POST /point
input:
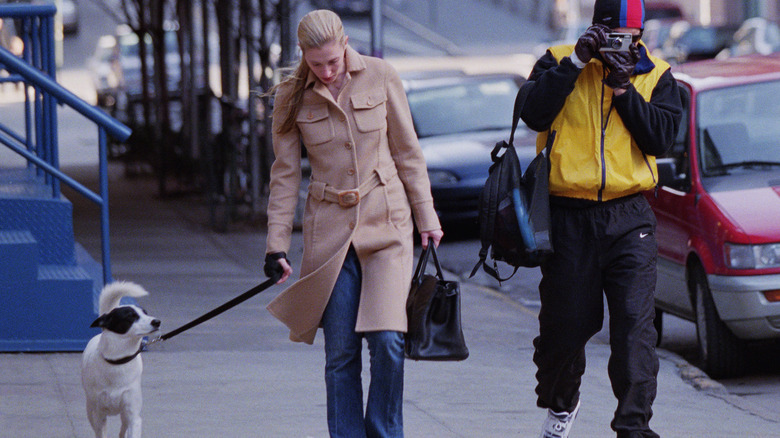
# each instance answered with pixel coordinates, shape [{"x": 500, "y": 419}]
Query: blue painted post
[
  {"x": 104, "y": 204},
  {"x": 49, "y": 65},
  {"x": 28, "y": 104}
]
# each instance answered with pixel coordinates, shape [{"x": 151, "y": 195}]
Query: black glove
[
  {"x": 621, "y": 65},
  {"x": 590, "y": 42},
  {"x": 272, "y": 268}
]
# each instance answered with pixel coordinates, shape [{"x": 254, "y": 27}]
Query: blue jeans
[{"x": 343, "y": 363}]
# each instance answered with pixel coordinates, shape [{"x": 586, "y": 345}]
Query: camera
[{"x": 617, "y": 42}]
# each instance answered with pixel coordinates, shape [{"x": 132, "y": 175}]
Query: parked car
[
  {"x": 717, "y": 206},
  {"x": 115, "y": 67},
  {"x": 659, "y": 32},
  {"x": 69, "y": 10},
  {"x": 459, "y": 118},
  {"x": 698, "y": 42},
  {"x": 755, "y": 35},
  {"x": 660, "y": 10},
  {"x": 104, "y": 70}
]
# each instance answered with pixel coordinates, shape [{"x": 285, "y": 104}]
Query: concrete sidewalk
[{"x": 237, "y": 375}]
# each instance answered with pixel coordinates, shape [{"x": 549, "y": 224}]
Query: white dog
[{"x": 111, "y": 365}]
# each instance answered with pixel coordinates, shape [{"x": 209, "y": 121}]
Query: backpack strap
[
  {"x": 493, "y": 272},
  {"x": 488, "y": 198},
  {"x": 522, "y": 94},
  {"x": 487, "y": 227}
]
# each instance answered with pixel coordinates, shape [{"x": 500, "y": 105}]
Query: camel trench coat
[{"x": 367, "y": 134}]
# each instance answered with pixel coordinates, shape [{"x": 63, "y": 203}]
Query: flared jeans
[{"x": 383, "y": 416}]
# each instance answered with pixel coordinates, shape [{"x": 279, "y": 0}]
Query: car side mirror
[{"x": 667, "y": 174}]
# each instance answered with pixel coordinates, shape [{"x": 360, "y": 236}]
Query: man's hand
[
  {"x": 621, "y": 65},
  {"x": 590, "y": 42}
]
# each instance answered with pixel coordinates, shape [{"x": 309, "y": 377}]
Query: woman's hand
[
  {"x": 277, "y": 264},
  {"x": 287, "y": 270},
  {"x": 434, "y": 235}
]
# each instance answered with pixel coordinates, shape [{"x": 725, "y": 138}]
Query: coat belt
[{"x": 351, "y": 197}]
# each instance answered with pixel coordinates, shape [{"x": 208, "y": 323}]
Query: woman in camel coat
[{"x": 368, "y": 182}]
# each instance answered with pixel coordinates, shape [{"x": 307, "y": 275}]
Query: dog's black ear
[
  {"x": 100, "y": 322},
  {"x": 118, "y": 320}
]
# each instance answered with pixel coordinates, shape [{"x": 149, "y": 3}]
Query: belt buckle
[{"x": 349, "y": 198}]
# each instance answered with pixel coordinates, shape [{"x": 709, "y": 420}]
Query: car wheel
[
  {"x": 721, "y": 353},
  {"x": 658, "y": 322}
]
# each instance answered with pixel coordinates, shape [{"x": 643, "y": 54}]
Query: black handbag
[{"x": 433, "y": 310}]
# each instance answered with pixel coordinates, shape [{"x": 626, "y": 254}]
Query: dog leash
[{"x": 230, "y": 304}]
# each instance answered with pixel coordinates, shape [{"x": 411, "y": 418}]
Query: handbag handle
[{"x": 423, "y": 262}]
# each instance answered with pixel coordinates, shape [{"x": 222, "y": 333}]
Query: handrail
[
  {"x": 36, "y": 70},
  {"x": 117, "y": 129},
  {"x": 23, "y": 10},
  {"x": 75, "y": 185}
]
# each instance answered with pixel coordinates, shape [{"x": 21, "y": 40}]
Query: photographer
[{"x": 609, "y": 109}]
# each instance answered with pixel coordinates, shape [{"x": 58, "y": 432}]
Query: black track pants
[{"x": 602, "y": 250}]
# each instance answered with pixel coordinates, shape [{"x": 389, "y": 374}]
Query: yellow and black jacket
[{"x": 604, "y": 145}]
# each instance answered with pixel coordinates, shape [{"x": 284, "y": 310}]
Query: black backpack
[{"x": 514, "y": 208}]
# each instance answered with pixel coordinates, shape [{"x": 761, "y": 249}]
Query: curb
[
  {"x": 688, "y": 372},
  {"x": 693, "y": 375}
]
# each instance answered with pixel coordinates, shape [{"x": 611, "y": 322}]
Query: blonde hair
[{"x": 317, "y": 28}]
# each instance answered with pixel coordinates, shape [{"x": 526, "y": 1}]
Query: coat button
[
  {"x": 310, "y": 115},
  {"x": 351, "y": 225},
  {"x": 350, "y": 171},
  {"x": 342, "y": 119},
  {"x": 348, "y": 145}
]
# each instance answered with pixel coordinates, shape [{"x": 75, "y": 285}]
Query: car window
[
  {"x": 700, "y": 38},
  {"x": 737, "y": 125},
  {"x": 128, "y": 43},
  {"x": 678, "y": 153},
  {"x": 662, "y": 12},
  {"x": 468, "y": 106}
]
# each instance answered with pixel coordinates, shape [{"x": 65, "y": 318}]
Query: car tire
[{"x": 722, "y": 355}]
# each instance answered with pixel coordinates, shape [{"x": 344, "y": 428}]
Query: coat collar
[
  {"x": 354, "y": 62},
  {"x": 645, "y": 64}
]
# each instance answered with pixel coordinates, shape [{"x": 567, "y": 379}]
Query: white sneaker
[{"x": 558, "y": 424}]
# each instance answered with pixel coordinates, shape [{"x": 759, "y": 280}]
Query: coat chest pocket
[
  {"x": 370, "y": 110},
  {"x": 315, "y": 125}
]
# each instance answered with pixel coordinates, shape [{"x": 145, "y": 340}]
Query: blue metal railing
[{"x": 36, "y": 70}]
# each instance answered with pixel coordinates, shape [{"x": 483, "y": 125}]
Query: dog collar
[{"x": 123, "y": 360}]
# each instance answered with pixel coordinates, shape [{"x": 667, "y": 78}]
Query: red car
[{"x": 718, "y": 209}]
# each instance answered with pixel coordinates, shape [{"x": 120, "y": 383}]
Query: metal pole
[
  {"x": 376, "y": 28},
  {"x": 286, "y": 33},
  {"x": 104, "y": 229}
]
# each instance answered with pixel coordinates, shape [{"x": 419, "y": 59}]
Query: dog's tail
[{"x": 112, "y": 293}]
